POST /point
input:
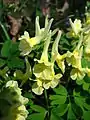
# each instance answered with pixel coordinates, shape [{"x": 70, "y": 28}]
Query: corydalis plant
[{"x": 44, "y": 68}]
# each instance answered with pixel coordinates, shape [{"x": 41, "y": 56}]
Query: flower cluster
[
  {"x": 14, "y": 102},
  {"x": 44, "y": 68}
]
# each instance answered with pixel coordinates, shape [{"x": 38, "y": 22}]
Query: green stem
[
  {"x": 5, "y": 32},
  {"x": 46, "y": 98},
  {"x": 1, "y": 4},
  {"x": 80, "y": 42}
]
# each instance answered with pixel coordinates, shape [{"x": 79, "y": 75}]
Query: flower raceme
[
  {"x": 44, "y": 72},
  {"x": 43, "y": 69}
]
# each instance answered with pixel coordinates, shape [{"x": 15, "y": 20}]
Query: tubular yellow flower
[
  {"x": 77, "y": 73},
  {"x": 87, "y": 46},
  {"x": 55, "y": 54},
  {"x": 87, "y": 70},
  {"x": 37, "y": 87},
  {"x": 45, "y": 78},
  {"x": 44, "y": 56},
  {"x": 74, "y": 59},
  {"x": 76, "y": 26},
  {"x": 60, "y": 61},
  {"x": 26, "y": 43},
  {"x": 87, "y": 18}
]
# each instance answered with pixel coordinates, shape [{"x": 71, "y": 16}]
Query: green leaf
[
  {"x": 9, "y": 49},
  {"x": 60, "y": 110},
  {"x": 3, "y": 73},
  {"x": 71, "y": 115},
  {"x": 2, "y": 62},
  {"x": 38, "y": 108},
  {"x": 36, "y": 116},
  {"x": 60, "y": 97},
  {"x": 15, "y": 62},
  {"x": 86, "y": 115},
  {"x": 5, "y": 51},
  {"x": 79, "y": 100},
  {"x": 87, "y": 79},
  {"x": 41, "y": 113},
  {"x": 77, "y": 110},
  {"x": 14, "y": 48},
  {"x": 79, "y": 82},
  {"x": 54, "y": 116},
  {"x": 86, "y": 86},
  {"x": 57, "y": 99},
  {"x": 61, "y": 90},
  {"x": 85, "y": 63}
]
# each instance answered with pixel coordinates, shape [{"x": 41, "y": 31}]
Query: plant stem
[
  {"x": 46, "y": 98},
  {"x": 5, "y": 32}
]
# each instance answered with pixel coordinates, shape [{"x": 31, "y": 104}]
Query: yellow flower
[
  {"x": 52, "y": 83},
  {"x": 77, "y": 73},
  {"x": 76, "y": 28},
  {"x": 87, "y": 46},
  {"x": 27, "y": 43},
  {"x": 45, "y": 78},
  {"x": 87, "y": 18},
  {"x": 60, "y": 61},
  {"x": 44, "y": 56},
  {"x": 42, "y": 31},
  {"x": 44, "y": 71},
  {"x": 70, "y": 34},
  {"x": 55, "y": 54},
  {"x": 87, "y": 70},
  {"x": 37, "y": 87},
  {"x": 74, "y": 59}
]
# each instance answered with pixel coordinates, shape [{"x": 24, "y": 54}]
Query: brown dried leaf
[{"x": 15, "y": 25}]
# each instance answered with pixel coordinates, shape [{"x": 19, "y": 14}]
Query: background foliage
[{"x": 70, "y": 100}]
